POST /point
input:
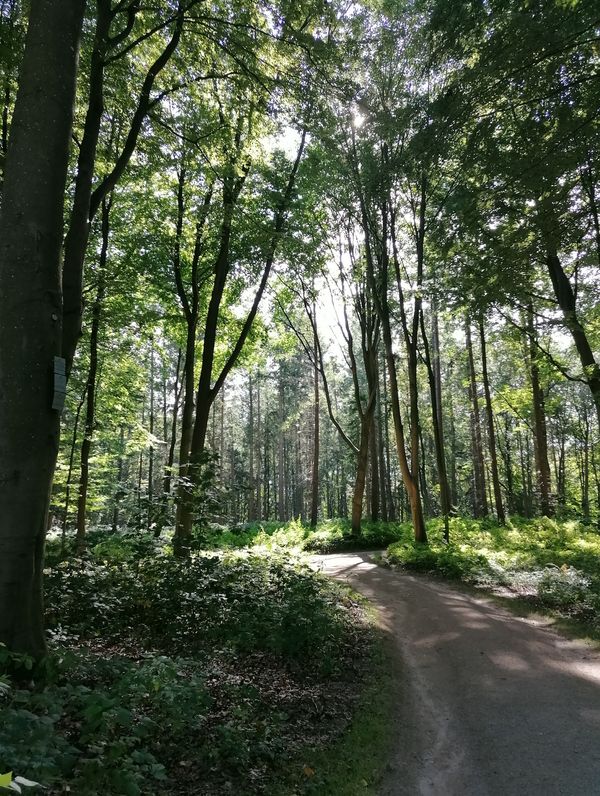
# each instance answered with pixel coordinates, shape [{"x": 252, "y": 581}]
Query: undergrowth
[
  {"x": 553, "y": 565},
  {"x": 205, "y": 676}
]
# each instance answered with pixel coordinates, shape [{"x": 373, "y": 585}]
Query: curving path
[{"x": 489, "y": 704}]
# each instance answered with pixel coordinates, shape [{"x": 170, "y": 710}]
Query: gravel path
[{"x": 489, "y": 704}]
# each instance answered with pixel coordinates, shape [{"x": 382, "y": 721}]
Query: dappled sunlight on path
[{"x": 489, "y": 704}]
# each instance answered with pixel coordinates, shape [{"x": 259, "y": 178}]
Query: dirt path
[{"x": 489, "y": 704}]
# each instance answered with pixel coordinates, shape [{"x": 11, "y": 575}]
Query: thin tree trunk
[
  {"x": 540, "y": 436},
  {"x": 151, "y": 449},
  {"x": 480, "y": 506},
  {"x": 491, "y": 428},
  {"x": 65, "y": 522},
  {"x": 92, "y": 383},
  {"x": 252, "y": 485},
  {"x": 173, "y": 440},
  {"x": 119, "y": 490},
  {"x": 314, "y": 499},
  {"x": 280, "y": 452}
]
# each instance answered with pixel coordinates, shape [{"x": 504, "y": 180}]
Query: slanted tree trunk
[
  {"x": 568, "y": 305},
  {"x": 207, "y": 391},
  {"x": 31, "y": 226},
  {"x": 87, "y": 198}
]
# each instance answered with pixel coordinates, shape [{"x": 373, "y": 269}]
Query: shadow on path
[{"x": 488, "y": 704}]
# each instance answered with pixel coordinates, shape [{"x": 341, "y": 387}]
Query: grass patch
[
  {"x": 549, "y": 565},
  {"x": 328, "y": 537}
]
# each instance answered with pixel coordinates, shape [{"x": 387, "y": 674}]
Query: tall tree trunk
[
  {"x": 480, "y": 505},
  {"x": 87, "y": 199},
  {"x": 379, "y": 288},
  {"x": 314, "y": 491},
  {"x": 386, "y": 430},
  {"x": 374, "y": 466},
  {"x": 540, "y": 436},
  {"x": 280, "y": 451},
  {"x": 432, "y": 362},
  {"x": 362, "y": 460},
  {"x": 31, "y": 225},
  {"x": 92, "y": 383},
  {"x": 491, "y": 428},
  {"x": 207, "y": 391},
  {"x": 251, "y": 489},
  {"x": 151, "y": 447},
  {"x": 259, "y": 467},
  {"x": 383, "y": 475}
]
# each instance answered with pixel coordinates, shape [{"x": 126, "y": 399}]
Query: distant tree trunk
[
  {"x": 596, "y": 471},
  {"x": 374, "y": 465},
  {"x": 480, "y": 506},
  {"x": 491, "y": 428},
  {"x": 63, "y": 540},
  {"x": 452, "y": 459},
  {"x": 362, "y": 460},
  {"x": 386, "y": 431},
  {"x": 584, "y": 424},
  {"x": 258, "y": 502},
  {"x": 507, "y": 456},
  {"x": 90, "y": 415},
  {"x": 31, "y": 227},
  {"x": 251, "y": 504},
  {"x": 432, "y": 362},
  {"x": 168, "y": 475},
  {"x": 118, "y": 493},
  {"x": 540, "y": 437},
  {"x": 280, "y": 451},
  {"x": 151, "y": 447},
  {"x": 383, "y": 475},
  {"x": 314, "y": 491}
]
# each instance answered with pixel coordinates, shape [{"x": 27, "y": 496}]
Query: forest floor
[{"x": 487, "y": 703}]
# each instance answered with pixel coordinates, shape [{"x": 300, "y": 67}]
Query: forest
[{"x": 281, "y": 281}]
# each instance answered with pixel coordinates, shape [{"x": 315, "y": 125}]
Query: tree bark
[{"x": 31, "y": 225}]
